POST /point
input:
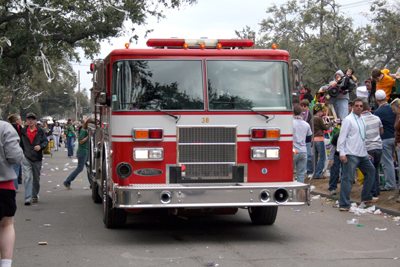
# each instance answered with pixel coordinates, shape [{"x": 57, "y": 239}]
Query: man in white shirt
[
  {"x": 353, "y": 153},
  {"x": 301, "y": 132}
]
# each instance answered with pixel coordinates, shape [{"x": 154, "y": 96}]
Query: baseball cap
[
  {"x": 31, "y": 115},
  {"x": 380, "y": 95}
]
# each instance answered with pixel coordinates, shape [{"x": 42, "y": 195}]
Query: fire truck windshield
[
  {"x": 158, "y": 84},
  {"x": 245, "y": 85}
]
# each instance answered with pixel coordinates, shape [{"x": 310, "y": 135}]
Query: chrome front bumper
[{"x": 210, "y": 195}]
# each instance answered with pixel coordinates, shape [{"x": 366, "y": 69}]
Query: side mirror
[
  {"x": 297, "y": 76},
  {"x": 102, "y": 98}
]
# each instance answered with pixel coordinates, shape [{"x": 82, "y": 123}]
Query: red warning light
[
  {"x": 236, "y": 42},
  {"x": 165, "y": 42}
]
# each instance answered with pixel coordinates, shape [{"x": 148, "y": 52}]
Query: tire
[
  {"x": 95, "y": 187},
  {"x": 113, "y": 217},
  {"x": 263, "y": 215},
  {"x": 95, "y": 193}
]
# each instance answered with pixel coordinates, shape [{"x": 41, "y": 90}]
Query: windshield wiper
[
  {"x": 265, "y": 116},
  {"x": 177, "y": 118}
]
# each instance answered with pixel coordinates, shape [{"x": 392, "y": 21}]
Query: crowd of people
[
  {"x": 365, "y": 135},
  {"x": 21, "y": 153}
]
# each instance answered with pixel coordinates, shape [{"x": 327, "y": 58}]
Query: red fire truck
[{"x": 193, "y": 125}]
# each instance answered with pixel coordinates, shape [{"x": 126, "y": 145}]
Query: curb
[{"x": 384, "y": 210}]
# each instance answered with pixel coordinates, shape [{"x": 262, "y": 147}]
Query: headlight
[
  {"x": 265, "y": 153},
  {"x": 148, "y": 154}
]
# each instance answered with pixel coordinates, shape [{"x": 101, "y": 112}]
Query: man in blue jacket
[
  {"x": 388, "y": 118},
  {"x": 33, "y": 141}
]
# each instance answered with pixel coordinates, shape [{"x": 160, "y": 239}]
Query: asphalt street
[{"x": 71, "y": 225}]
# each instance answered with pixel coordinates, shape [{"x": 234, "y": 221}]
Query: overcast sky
[{"x": 214, "y": 19}]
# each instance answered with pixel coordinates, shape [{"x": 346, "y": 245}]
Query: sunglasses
[{"x": 358, "y": 106}]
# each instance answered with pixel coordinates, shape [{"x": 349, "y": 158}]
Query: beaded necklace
[
  {"x": 304, "y": 115},
  {"x": 359, "y": 129},
  {"x": 383, "y": 104}
]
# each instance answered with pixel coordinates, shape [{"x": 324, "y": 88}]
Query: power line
[{"x": 356, "y": 4}]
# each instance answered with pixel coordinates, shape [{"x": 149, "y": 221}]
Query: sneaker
[
  {"x": 333, "y": 192},
  {"x": 67, "y": 186},
  {"x": 27, "y": 203},
  {"x": 373, "y": 200},
  {"x": 35, "y": 200},
  {"x": 398, "y": 200}
]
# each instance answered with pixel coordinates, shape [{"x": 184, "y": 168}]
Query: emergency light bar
[{"x": 200, "y": 43}]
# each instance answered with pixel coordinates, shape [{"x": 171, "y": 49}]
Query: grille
[
  {"x": 207, "y": 135},
  {"x": 203, "y": 171},
  {"x": 207, "y": 152}
]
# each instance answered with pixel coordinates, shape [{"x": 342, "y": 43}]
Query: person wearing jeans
[
  {"x": 388, "y": 118},
  {"x": 82, "y": 158},
  {"x": 81, "y": 153},
  {"x": 301, "y": 134},
  {"x": 33, "y": 141},
  {"x": 319, "y": 144},
  {"x": 396, "y": 109},
  {"x": 306, "y": 116},
  {"x": 349, "y": 168},
  {"x": 376, "y": 155},
  {"x": 16, "y": 122},
  {"x": 319, "y": 152},
  {"x": 335, "y": 164},
  {"x": 373, "y": 142},
  {"x": 310, "y": 167},
  {"x": 353, "y": 154},
  {"x": 70, "y": 137},
  {"x": 31, "y": 170},
  {"x": 341, "y": 106}
]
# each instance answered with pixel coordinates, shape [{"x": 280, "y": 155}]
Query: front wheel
[{"x": 263, "y": 215}]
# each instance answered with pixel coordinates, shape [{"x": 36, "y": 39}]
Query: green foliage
[
  {"x": 41, "y": 31},
  {"x": 383, "y": 37},
  {"x": 324, "y": 40}
]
